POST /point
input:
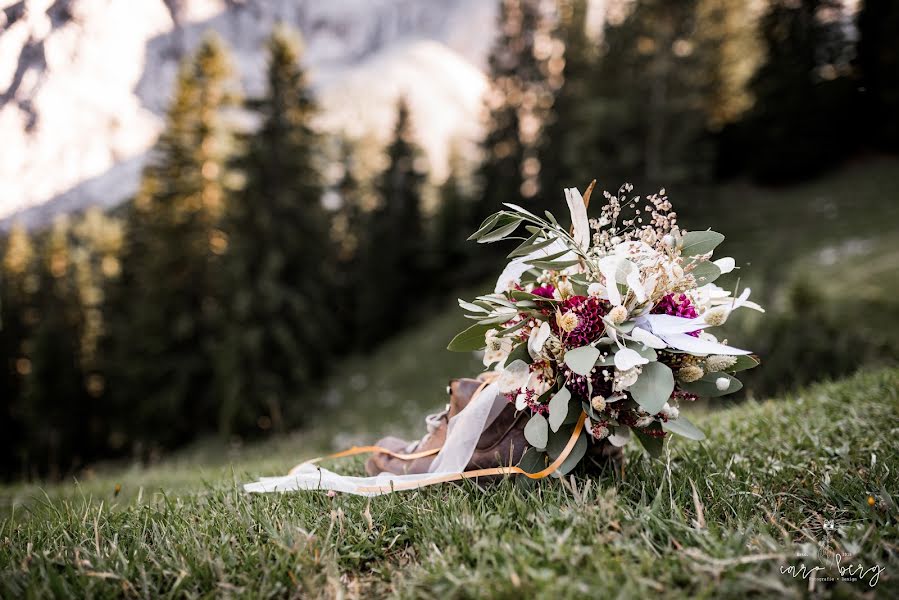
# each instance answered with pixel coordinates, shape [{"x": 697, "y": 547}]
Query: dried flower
[
  {"x": 598, "y": 403},
  {"x": 567, "y": 322},
  {"x": 690, "y": 373},
  {"x": 618, "y": 315},
  {"x": 719, "y": 362}
]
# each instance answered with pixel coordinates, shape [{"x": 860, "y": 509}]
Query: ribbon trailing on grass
[{"x": 463, "y": 432}]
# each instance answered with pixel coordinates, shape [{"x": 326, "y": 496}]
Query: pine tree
[
  {"x": 280, "y": 260},
  {"x": 802, "y": 121},
  {"x": 878, "y": 61},
  {"x": 451, "y": 250},
  {"x": 17, "y": 283},
  {"x": 653, "y": 88},
  {"x": 517, "y": 101},
  {"x": 568, "y": 156},
  {"x": 57, "y": 409},
  {"x": 169, "y": 324},
  {"x": 392, "y": 262}
]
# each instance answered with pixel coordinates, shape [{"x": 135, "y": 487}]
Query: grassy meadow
[{"x": 780, "y": 483}]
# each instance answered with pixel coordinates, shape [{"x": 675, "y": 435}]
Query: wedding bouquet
[
  {"x": 605, "y": 325},
  {"x": 596, "y": 332}
]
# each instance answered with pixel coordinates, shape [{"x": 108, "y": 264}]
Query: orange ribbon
[{"x": 395, "y": 487}]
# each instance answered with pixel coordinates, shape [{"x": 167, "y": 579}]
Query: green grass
[
  {"x": 770, "y": 481},
  {"x": 774, "y": 480}
]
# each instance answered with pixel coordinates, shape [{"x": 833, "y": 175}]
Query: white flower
[
  {"x": 671, "y": 412},
  {"x": 600, "y": 432},
  {"x": 514, "y": 377},
  {"x": 597, "y": 290},
  {"x": 719, "y": 362},
  {"x": 716, "y": 316},
  {"x": 722, "y": 383},
  {"x": 537, "y": 339},
  {"x": 497, "y": 349},
  {"x": 539, "y": 384},
  {"x": 598, "y": 403},
  {"x": 625, "y": 379},
  {"x": 565, "y": 289},
  {"x": 580, "y": 224},
  {"x": 725, "y": 265},
  {"x": 521, "y": 401},
  {"x": 567, "y": 322}
]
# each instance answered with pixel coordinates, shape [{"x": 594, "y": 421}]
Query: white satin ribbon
[{"x": 463, "y": 432}]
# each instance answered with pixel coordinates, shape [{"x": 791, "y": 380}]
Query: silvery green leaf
[
  {"x": 558, "y": 408},
  {"x": 521, "y": 210},
  {"x": 653, "y": 387},
  {"x": 520, "y": 352},
  {"x": 627, "y": 358},
  {"x": 551, "y": 218},
  {"x": 620, "y": 436},
  {"x": 532, "y": 244},
  {"x": 554, "y": 265},
  {"x": 469, "y": 340},
  {"x": 653, "y": 445},
  {"x": 682, "y": 426},
  {"x": 486, "y": 226},
  {"x": 707, "y": 386},
  {"x": 644, "y": 351},
  {"x": 705, "y": 272},
  {"x": 577, "y": 454},
  {"x": 581, "y": 360},
  {"x": 700, "y": 242},
  {"x": 496, "y": 319},
  {"x": 522, "y": 295},
  {"x": 471, "y": 307},
  {"x": 500, "y": 232},
  {"x": 743, "y": 363},
  {"x": 536, "y": 432}
]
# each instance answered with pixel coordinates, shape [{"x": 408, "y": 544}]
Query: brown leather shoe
[{"x": 504, "y": 438}]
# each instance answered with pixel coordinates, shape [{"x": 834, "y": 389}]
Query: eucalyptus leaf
[
  {"x": 577, "y": 454},
  {"x": 470, "y": 340},
  {"x": 581, "y": 360},
  {"x": 682, "y": 426},
  {"x": 536, "y": 432},
  {"x": 644, "y": 351},
  {"x": 707, "y": 386},
  {"x": 743, "y": 363},
  {"x": 705, "y": 272},
  {"x": 700, "y": 242},
  {"x": 532, "y": 461},
  {"x": 520, "y": 352},
  {"x": 558, "y": 408},
  {"x": 653, "y": 387},
  {"x": 653, "y": 445}
]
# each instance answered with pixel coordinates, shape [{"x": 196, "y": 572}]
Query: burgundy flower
[
  {"x": 677, "y": 305},
  {"x": 546, "y": 291},
  {"x": 590, "y": 325}
]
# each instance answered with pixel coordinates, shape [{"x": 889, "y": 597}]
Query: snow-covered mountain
[{"x": 84, "y": 84}]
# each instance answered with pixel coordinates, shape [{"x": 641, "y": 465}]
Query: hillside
[{"x": 773, "y": 482}]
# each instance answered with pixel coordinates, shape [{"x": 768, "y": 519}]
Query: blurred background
[{"x": 227, "y": 219}]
